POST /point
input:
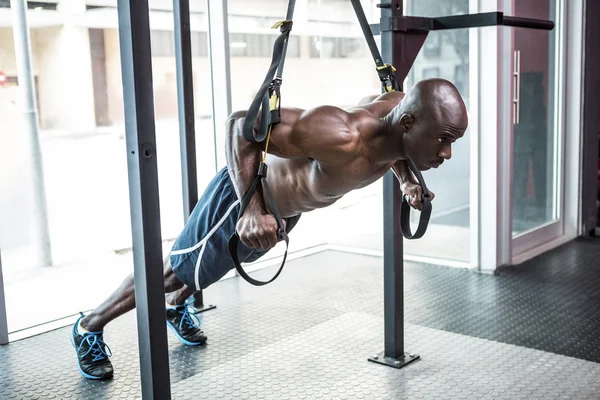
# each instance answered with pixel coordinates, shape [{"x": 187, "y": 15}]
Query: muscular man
[{"x": 315, "y": 157}]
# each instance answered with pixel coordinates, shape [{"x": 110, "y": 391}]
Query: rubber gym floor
[{"x": 527, "y": 332}]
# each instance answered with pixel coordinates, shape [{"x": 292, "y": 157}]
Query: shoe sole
[
  {"x": 88, "y": 376},
  {"x": 181, "y": 339}
]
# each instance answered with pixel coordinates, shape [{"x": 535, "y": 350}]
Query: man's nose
[{"x": 446, "y": 152}]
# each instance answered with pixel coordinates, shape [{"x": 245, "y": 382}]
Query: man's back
[{"x": 319, "y": 155}]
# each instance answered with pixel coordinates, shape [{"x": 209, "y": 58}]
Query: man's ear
[{"x": 407, "y": 121}]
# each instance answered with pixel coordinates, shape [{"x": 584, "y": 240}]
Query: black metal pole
[
  {"x": 187, "y": 118},
  {"x": 185, "y": 102},
  {"x": 393, "y": 242},
  {"x": 393, "y": 247},
  {"x": 136, "y": 69},
  {"x": 401, "y": 40}
]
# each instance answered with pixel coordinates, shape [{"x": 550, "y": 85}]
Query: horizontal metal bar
[
  {"x": 467, "y": 21},
  {"x": 528, "y": 23},
  {"x": 495, "y": 18},
  {"x": 424, "y": 24},
  {"x": 405, "y": 24}
]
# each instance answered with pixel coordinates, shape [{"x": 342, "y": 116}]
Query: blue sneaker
[
  {"x": 185, "y": 324},
  {"x": 92, "y": 354}
]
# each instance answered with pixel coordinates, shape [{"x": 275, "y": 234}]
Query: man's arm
[
  {"x": 321, "y": 133},
  {"x": 402, "y": 172},
  {"x": 409, "y": 185},
  {"x": 243, "y": 158}
]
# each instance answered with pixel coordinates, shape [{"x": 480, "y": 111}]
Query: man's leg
[
  {"x": 87, "y": 333},
  {"x": 123, "y": 300}
]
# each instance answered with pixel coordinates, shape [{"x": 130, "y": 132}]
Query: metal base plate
[
  {"x": 399, "y": 362},
  {"x": 203, "y": 308}
]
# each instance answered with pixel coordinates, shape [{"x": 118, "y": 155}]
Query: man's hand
[
  {"x": 415, "y": 194},
  {"x": 258, "y": 229}
]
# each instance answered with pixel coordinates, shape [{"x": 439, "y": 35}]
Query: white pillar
[{"x": 65, "y": 72}]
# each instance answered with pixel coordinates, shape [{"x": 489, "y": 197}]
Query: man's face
[{"x": 429, "y": 142}]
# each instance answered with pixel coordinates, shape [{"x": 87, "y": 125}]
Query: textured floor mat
[{"x": 318, "y": 322}]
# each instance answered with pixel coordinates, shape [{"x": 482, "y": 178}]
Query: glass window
[
  {"x": 333, "y": 67},
  {"x": 535, "y": 132},
  {"x": 255, "y": 45},
  {"x": 445, "y": 54},
  {"x": 79, "y": 93},
  {"x": 337, "y": 47}
]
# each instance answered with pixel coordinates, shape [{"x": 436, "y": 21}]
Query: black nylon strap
[
  {"x": 261, "y": 178},
  {"x": 389, "y": 83},
  {"x": 385, "y": 72},
  {"x": 271, "y": 83},
  {"x": 269, "y": 117},
  {"x": 425, "y": 210}
]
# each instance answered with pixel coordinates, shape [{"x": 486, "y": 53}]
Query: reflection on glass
[
  {"x": 79, "y": 93},
  {"x": 328, "y": 63},
  {"x": 445, "y": 54},
  {"x": 534, "y": 131}
]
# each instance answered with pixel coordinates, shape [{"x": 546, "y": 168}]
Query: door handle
[{"x": 517, "y": 87}]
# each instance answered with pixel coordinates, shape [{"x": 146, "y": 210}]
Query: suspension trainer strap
[
  {"x": 385, "y": 71},
  {"x": 267, "y": 103},
  {"x": 261, "y": 179},
  {"x": 425, "y": 211},
  {"x": 270, "y": 87},
  {"x": 390, "y": 84}
]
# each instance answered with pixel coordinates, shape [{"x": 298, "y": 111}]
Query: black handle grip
[
  {"x": 528, "y": 23},
  {"x": 423, "y": 220},
  {"x": 234, "y": 241},
  {"x": 425, "y": 210}
]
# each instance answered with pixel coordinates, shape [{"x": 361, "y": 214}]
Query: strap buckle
[
  {"x": 284, "y": 26},
  {"x": 274, "y": 101},
  {"x": 386, "y": 75}
]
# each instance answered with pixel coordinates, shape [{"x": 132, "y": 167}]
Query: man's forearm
[
  {"x": 402, "y": 172},
  {"x": 243, "y": 159}
]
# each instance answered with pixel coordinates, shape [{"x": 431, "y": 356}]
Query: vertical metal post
[
  {"x": 590, "y": 119},
  {"x": 136, "y": 69},
  {"x": 393, "y": 247},
  {"x": 185, "y": 103},
  {"x": 41, "y": 231},
  {"x": 3, "y": 321},
  {"x": 187, "y": 118},
  {"x": 218, "y": 45}
]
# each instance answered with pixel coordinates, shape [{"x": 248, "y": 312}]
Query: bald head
[
  {"x": 430, "y": 118},
  {"x": 435, "y": 98}
]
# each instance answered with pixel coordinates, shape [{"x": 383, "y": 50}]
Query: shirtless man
[{"x": 315, "y": 157}]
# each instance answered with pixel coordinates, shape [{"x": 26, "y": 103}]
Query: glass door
[{"x": 536, "y": 128}]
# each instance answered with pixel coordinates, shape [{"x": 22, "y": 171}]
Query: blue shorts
[{"x": 200, "y": 255}]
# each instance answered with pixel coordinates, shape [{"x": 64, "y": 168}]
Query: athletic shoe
[
  {"x": 92, "y": 353},
  {"x": 185, "y": 324}
]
